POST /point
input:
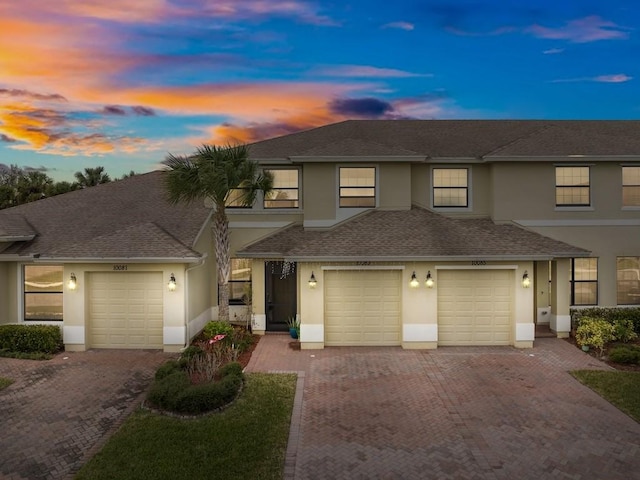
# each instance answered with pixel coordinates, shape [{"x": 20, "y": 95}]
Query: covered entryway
[
  {"x": 475, "y": 307},
  {"x": 125, "y": 310},
  {"x": 362, "y": 307}
]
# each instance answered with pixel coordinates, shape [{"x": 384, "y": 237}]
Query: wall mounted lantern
[
  {"x": 429, "y": 282},
  {"x": 72, "y": 283},
  {"x": 172, "y": 283},
  {"x": 414, "y": 283},
  {"x": 526, "y": 282},
  {"x": 312, "y": 281}
]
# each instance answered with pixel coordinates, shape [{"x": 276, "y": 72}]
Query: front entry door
[{"x": 280, "y": 294}]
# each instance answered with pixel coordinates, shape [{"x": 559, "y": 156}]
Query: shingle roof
[
  {"x": 411, "y": 235},
  {"x": 457, "y": 138},
  {"x": 130, "y": 218},
  {"x": 15, "y": 227}
]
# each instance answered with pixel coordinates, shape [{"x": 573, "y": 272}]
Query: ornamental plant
[{"x": 595, "y": 332}]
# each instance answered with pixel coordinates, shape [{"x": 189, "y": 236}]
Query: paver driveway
[
  {"x": 453, "y": 413},
  {"x": 60, "y": 411}
]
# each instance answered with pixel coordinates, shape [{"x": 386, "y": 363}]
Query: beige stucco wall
[
  {"x": 75, "y": 303},
  {"x": 9, "y": 292},
  {"x": 606, "y": 242},
  {"x": 319, "y": 190},
  {"x": 525, "y": 191},
  {"x": 4, "y": 293},
  {"x": 394, "y": 186},
  {"x": 419, "y": 305}
]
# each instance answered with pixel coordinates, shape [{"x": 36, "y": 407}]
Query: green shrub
[
  {"x": 166, "y": 392},
  {"x": 31, "y": 338},
  {"x": 216, "y": 327},
  {"x": 241, "y": 339},
  {"x": 174, "y": 392},
  {"x": 625, "y": 354},
  {"x": 168, "y": 368},
  {"x": 233, "y": 368},
  {"x": 594, "y": 332},
  {"x": 623, "y": 330},
  {"x": 610, "y": 314}
]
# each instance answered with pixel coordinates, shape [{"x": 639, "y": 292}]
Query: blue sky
[{"x": 120, "y": 83}]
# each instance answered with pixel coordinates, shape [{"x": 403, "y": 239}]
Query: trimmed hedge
[
  {"x": 625, "y": 354},
  {"x": 610, "y": 314},
  {"x": 31, "y": 338},
  {"x": 173, "y": 391}
]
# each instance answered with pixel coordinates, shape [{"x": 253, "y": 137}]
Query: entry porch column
[{"x": 560, "y": 322}]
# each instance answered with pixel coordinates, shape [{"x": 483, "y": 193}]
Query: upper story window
[
  {"x": 584, "y": 281},
  {"x": 236, "y": 198},
  {"x": 450, "y": 187},
  {"x": 285, "y": 193},
  {"x": 628, "y": 280},
  {"x": 572, "y": 187},
  {"x": 43, "y": 292},
  {"x": 357, "y": 187},
  {"x": 631, "y": 186}
]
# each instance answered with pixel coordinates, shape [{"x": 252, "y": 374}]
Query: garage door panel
[
  {"x": 362, "y": 307},
  {"x": 477, "y": 308},
  {"x": 126, "y": 310}
]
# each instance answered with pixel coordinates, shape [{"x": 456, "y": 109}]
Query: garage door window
[
  {"x": 43, "y": 292},
  {"x": 584, "y": 281}
]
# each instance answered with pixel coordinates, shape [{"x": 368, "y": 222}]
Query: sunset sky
[{"x": 121, "y": 83}]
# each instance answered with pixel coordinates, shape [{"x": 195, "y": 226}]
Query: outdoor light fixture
[
  {"x": 526, "y": 283},
  {"x": 172, "y": 283},
  {"x": 429, "y": 283},
  {"x": 312, "y": 281},
  {"x": 414, "y": 280},
  {"x": 72, "y": 283}
]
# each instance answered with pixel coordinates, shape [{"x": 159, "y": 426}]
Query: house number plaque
[
  {"x": 120, "y": 268},
  {"x": 478, "y": 262}
]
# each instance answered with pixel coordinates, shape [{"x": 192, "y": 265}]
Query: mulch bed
[{"x": 605, "y": 359}]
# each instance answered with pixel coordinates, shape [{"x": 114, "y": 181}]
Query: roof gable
[
  {"x": 416, "y": 234},
  {"x": 90, "y": 222}
]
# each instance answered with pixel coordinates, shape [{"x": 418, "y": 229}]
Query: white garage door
[
  {"x": 362, "y": 307},
  {"x": 125, "y": 310},
  {"x": 475, "y": 307}
]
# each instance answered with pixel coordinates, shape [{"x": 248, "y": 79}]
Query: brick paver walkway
[
  {"x": 453, "y": 413},
  {"x": 59, "y": 412}
]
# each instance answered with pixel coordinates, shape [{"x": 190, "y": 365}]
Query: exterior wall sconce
[
  {"x": 429, "y": 282},
  {"x": 526, "y": 282},
  {"x": 72, "y": 283},
  {"x": 172, "y": 283},
  {"x": 414, "y": 283},
  {"x": 312, "y": 281}
]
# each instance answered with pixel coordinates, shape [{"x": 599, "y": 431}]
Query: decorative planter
[{"x": 293, "y": 332}]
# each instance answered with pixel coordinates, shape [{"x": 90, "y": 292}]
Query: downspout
[{"x": 200, "y": 263}]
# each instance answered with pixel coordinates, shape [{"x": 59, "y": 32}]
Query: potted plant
[{"x": 294, "y": 327}]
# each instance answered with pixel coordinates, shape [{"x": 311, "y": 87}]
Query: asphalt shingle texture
[
  {"x": 411, "y": 234},
  {"x": 130, "y": 218}
]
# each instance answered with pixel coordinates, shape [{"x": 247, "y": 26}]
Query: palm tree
[
  {"x": 92, "y": 177},
  {"x": 217, "y": 173}
]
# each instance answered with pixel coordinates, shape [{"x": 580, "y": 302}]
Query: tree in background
[
  {"x": 224, "y": 175},
  {"x": 92, "y": 177}
]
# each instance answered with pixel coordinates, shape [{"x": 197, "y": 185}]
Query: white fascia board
[
  {"x": 273, "y": 161},
  {"x": 495, "y": 258},
  {"x": 17, "y": 238},
  {"x": 116, "y": 260},
  {"x": 603, "y": 222},
  {"x": 436, "y": 160},
  {"x": 562, "y": 158},
  {"x": 360, "y": 158}
]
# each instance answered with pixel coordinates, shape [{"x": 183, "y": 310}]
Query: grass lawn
[
  {"x": 622, "y": 389},
  {"x": 5, "y": 382},
  {"x": 247, "y": 440}
]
